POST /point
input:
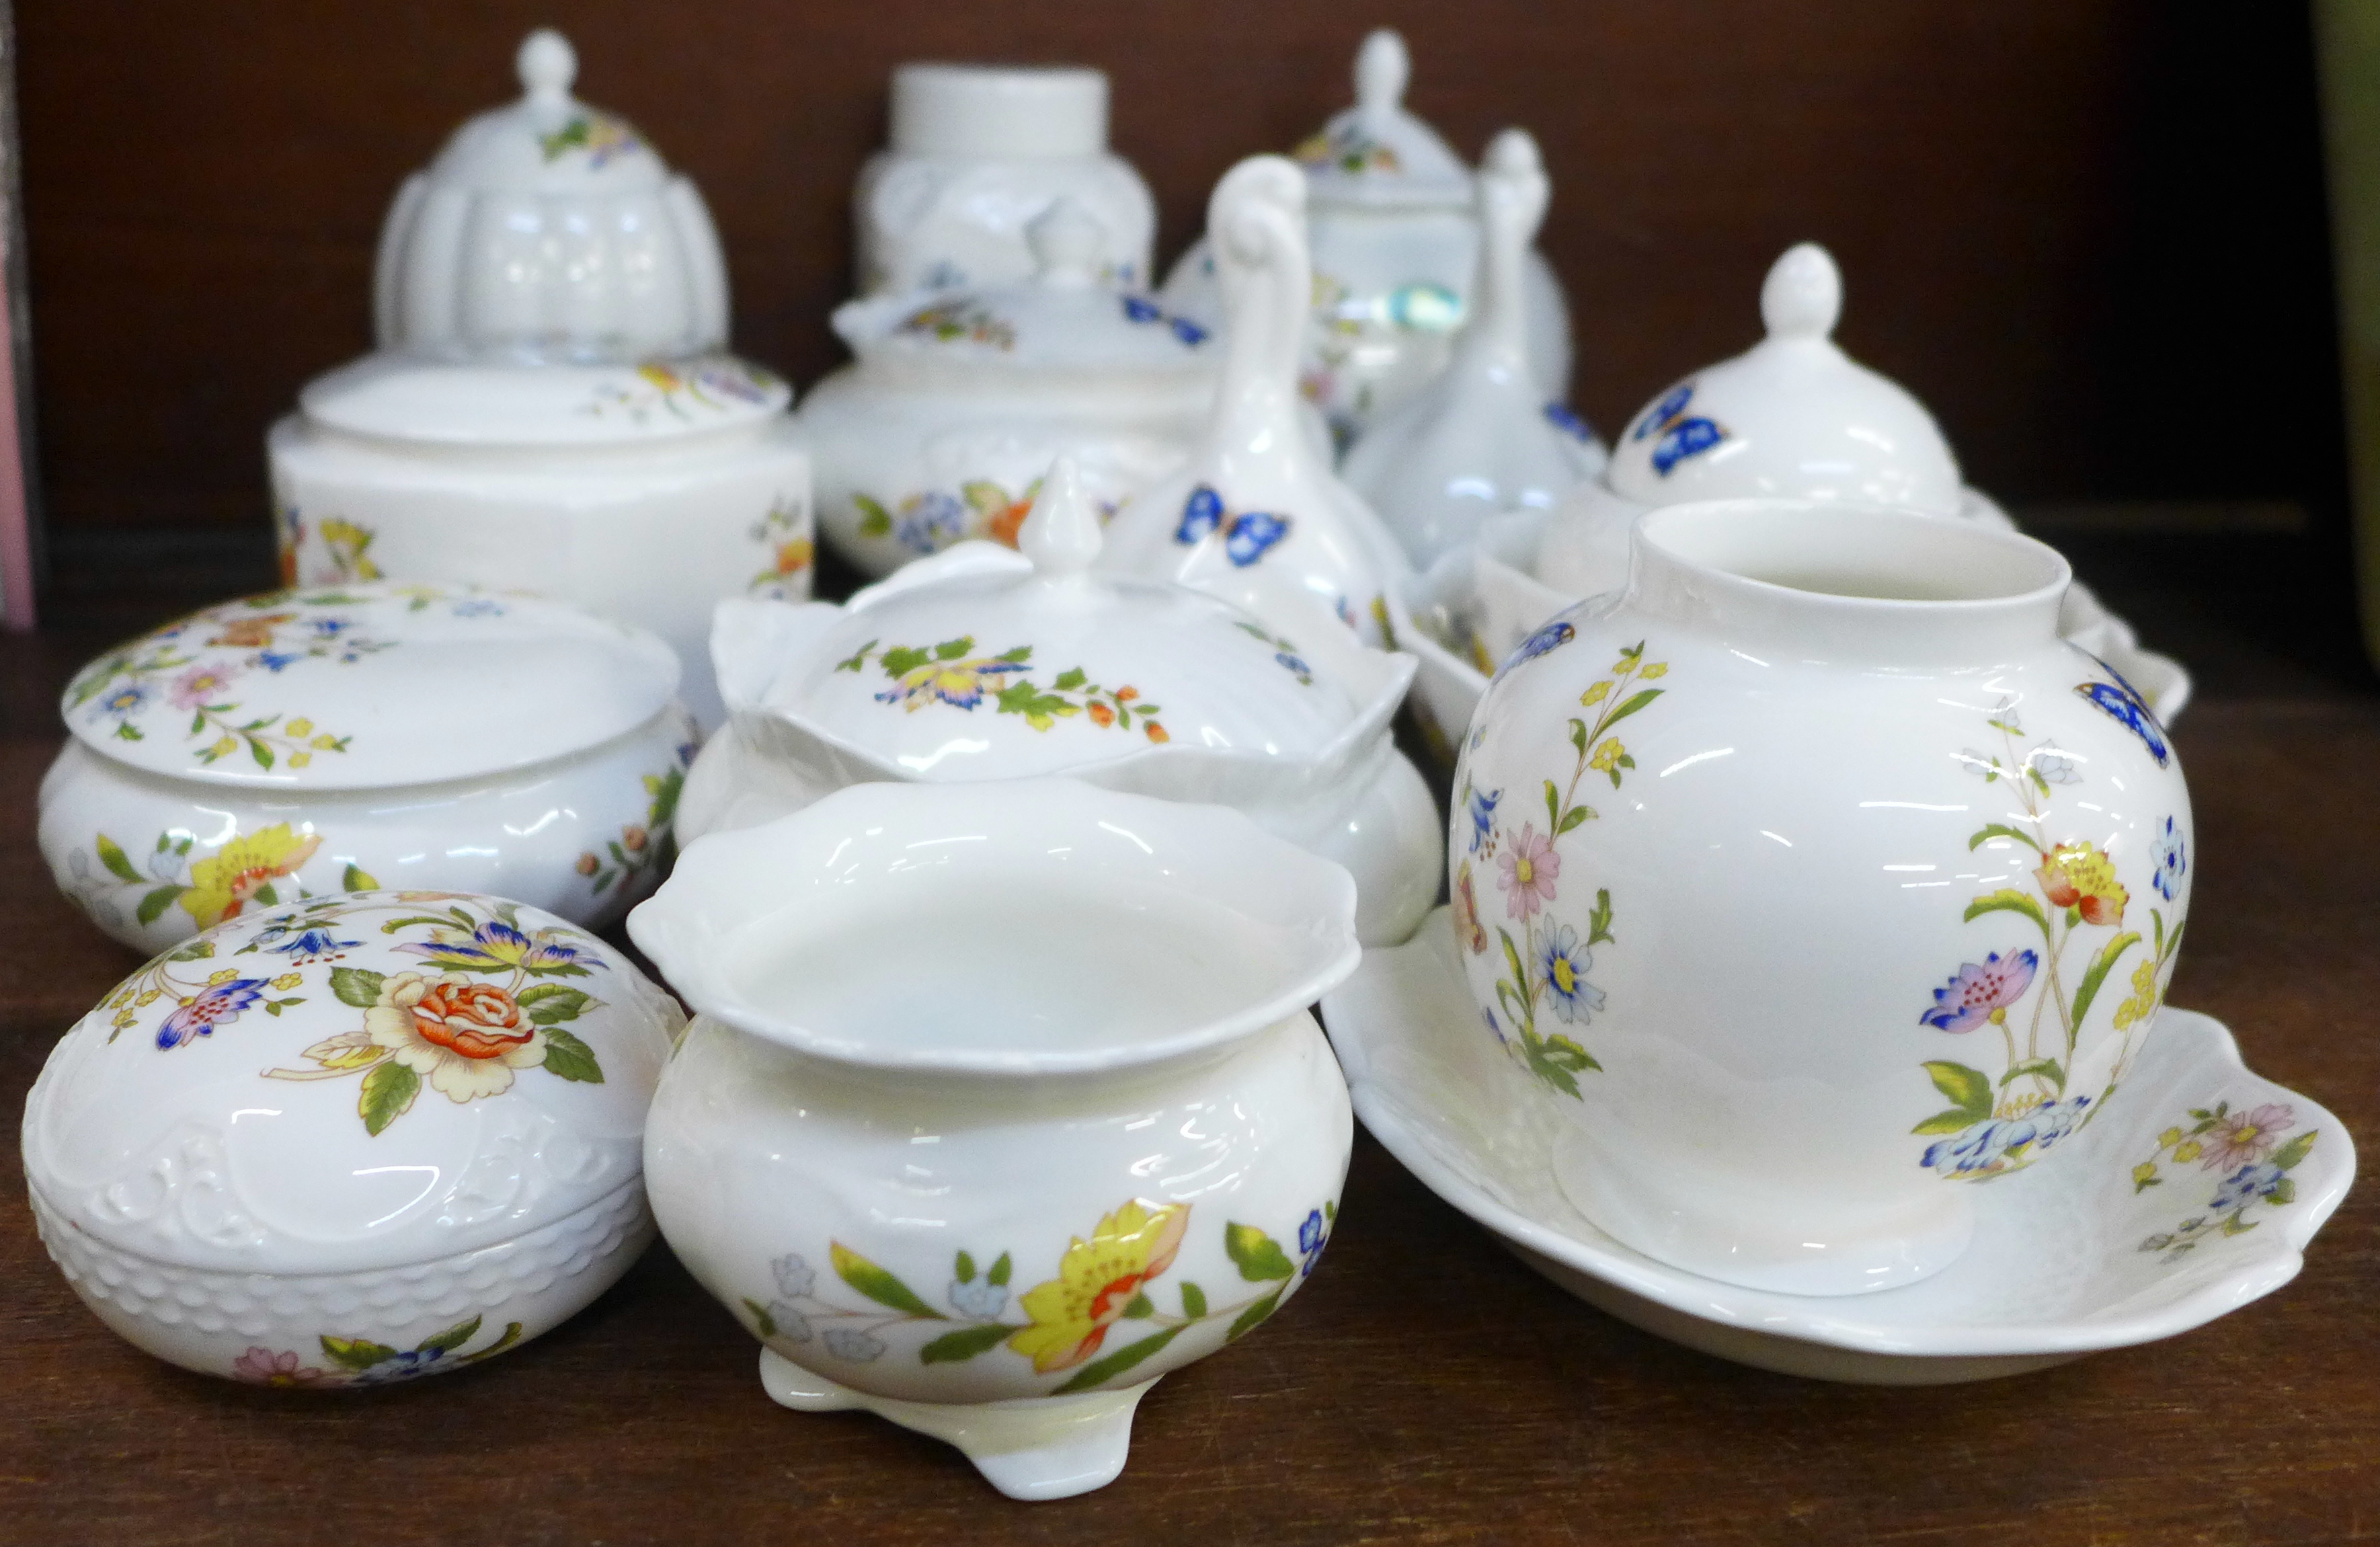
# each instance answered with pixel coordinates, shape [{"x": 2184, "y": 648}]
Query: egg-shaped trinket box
[
  {"x": 549, "y": 405},
  {"x": 337, "y": 738},
  {"x": 984, "y": 664},
  {"x": 354, "y": 1140}
]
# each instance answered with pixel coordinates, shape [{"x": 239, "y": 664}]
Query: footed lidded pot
[
  {"x": 984, "y": 664},
  {"x": 549, "y": 405},
  {"x": 1816, "y": 881},
  {"x": 1391, "y": 214},
  {"x": 336, "y": 739},
  {"x": 958, "y": 400},
  {"x": 979, "y": 153},
  {"x": 352, "y": 1140},
  {"x": 993, "y": 1188}
]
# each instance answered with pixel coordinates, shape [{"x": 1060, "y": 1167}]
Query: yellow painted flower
[
  {"x": 2190, "y": 1151},
  {"x": 2144, "y": 1174},
  {"x": 301, "y": 729},
  {"x": 1658, "y": 668},
  {"x": 288, "y": 980},
  {"x": 2079, "y": 877},
  {"x": 1594, "y": 695},
  {"x": 2140, "y": 1006},
  {"x": 1095, "y": 1280},
  {"x": 1607, "y": 756},
  {"x": 222, "y": 884}
]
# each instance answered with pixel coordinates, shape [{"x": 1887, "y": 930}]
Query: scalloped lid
[
  {"x": 1793, "y": 415},
  {"x": 986, "y": 662},
  {"x": 181, "y": 1121},
  {"x": 406, "y": 397},
  {"x": 367, "y": 686},
  {"x": 1064, "y": 316},
  {"x": 1377, "y": 153}
]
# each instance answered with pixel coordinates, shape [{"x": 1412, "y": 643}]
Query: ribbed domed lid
[
  {"x": 549, "y": 230},
  {"x": 1375, "y": 153},
  {"x": 1792, "y": 416}
]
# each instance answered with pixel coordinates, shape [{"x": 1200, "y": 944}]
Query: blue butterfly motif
[
  {"x": 1139, "y": 310},
  {"x": 1682, "y": 435},
  {"x": 2123, "y": 701},
  {"x": 1247, "y": 536},
  {"x": 1565, "y": 419}
]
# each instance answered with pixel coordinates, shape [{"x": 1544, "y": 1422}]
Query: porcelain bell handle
[
  {"x": 1383, "y": 69},
  {"x": 1067, "y": 241},
  {"x": 1256, "y": 224},
  {"x": 548, "y": 65},
  {"x": 1802, "y": 297},
  {"x": 1060, "y": 533},
  {"x": 1514, "y": 192}
]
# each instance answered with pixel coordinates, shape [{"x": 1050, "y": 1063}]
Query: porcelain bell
[{"x": 548, "y": 406}]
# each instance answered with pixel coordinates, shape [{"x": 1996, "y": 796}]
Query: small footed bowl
[{"x": 991, "y": 1182}]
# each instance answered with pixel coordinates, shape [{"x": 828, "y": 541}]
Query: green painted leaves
[
  {"x": 1969, "y": 1091},
  {"x": 111, "y": 855},
  {"x": 878, "y": 1284},
  {"x": 387, "y": 1094},
  {"x": 569, "y": 1058},
  {"x": 1257, "y": 1255},
  {"x": 962, "y": 1344},
  {"x": 2007, "y": 899},
  {"x": 1107, "y": 1368},
  {"x": 355, "y": 986}
]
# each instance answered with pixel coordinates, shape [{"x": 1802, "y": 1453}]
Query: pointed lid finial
[
  {"x": 1383, "y": 69},
  {"x": 1060, "y": 534},
  {"x": 1802, "y": 297},
  {"x": 1068, "y": 242},
  {"x": 548, "y": 65}
]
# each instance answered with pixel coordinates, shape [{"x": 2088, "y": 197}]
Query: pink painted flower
[
  {"x": 1981, "y": 992},
  {"x": 265, "y": 1367},
  {"x": 2245, "y": 1137},
  {"x": 1530, "y": 868},
  {"x": 201, "y": 685}
]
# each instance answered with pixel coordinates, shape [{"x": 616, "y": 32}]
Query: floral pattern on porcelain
[
  {"x": 784, "y": 534},
  {"x": 215, "y": 886},
  {"x": 684, "y": 390},
  {"x": 645, "y": 848},
  {"x": 1546, "y": 969},
  {"x": 1347, "y": 148},
  {"x": 1995, "y": 1125},
  {"x": 1062, "y": 1325},
  {"x": 1140, "y": 309},
  {"x": 601, "y": 137},
  {"x": 1247, "y": 535},
  {"x": 1676, "y": 434},
  {"x": 952, "y": 673},
  {"x": 359, "y": 1361},
  {"x": 929, "y": 521},
  {"x": 961, "y": 319},
  {"x": 2244, "y": 1149}
]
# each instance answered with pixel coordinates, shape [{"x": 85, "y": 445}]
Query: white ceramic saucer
[{"x": 2067, "y": 1258}]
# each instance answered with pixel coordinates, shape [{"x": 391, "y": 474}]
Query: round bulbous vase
[{"x": 1817, "y": 881}]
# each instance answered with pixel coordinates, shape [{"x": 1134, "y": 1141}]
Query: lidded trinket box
[
  {"x": 958, "y": 400},
  {"x": 310, "y": 742},
  {"x": 352, "y": 1140},
  {"x": 979, "y": 153},
  {"x": 549, "y": 405},
  {"x": 984, "y": 664}
]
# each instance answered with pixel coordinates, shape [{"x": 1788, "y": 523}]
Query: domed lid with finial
[
  {"x": 1065, "y": 316},
  {"x": 549, "y": 230},
  {"x": 984, "y": 662},
  {"x": 1792, "y": 416},
  {"x": 1375, "y": 153}
]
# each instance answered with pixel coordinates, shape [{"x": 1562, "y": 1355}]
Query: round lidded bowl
[
  {"x": 984, "y": 664},
  {"x": 1816, "y": 880},
  {"x": 549, "y": 404},
  {"x": 352, "y": 1140},
  {"x": 957, "y": 402},
  {"x": 993, "y": 1188},
  {"x": 333, "y": 739}
]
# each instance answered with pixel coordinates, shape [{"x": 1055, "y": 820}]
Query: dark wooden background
[{"x": 2092, "y": 236}]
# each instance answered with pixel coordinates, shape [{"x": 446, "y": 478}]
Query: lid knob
[
  {"x": 1382, "y": 69},
  {"x": 548, "y": 65},
  {"x": 1067, "y": 241},
  {"x": 1802, "y": 297},
  {"x": 1060, "y": 534}
]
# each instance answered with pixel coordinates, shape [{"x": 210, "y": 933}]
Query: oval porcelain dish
[
  {"x": 993, "y": 1190},
  {"x": 335, "y": 739},
  {"x": 352, "y": 1140},
  {"x": 959, "y": 400},
  {"x": 984, "y": 664},
  {"x": 549, "y": 406},
  {"x": 1814, "y": 880}
]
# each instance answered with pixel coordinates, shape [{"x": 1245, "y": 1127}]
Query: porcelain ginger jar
[
  {"x": 978, "y": 152},
  {"x": 994, "y": 1187},
  {"x": 333, "y": 739},
  {"x": 1816, "y": 881},
  {"x": 549, "y": 405},
  {"x": 957, "y": 401},
  {"x": 985, "y": 664},
  {"x": 1390, "y": 212},
  {"x": 352, "y": 1140}
]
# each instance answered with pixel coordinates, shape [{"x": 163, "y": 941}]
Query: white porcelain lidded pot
[
  {"x": 339, "y": 738},
  {"x": 993, "y": 1191},
  {"x": 548, "y": 406},
  {"x": 352, "y": 1140},
  {"x": 957, "y": 401},
  {"x": 1817, "y": 881},
  {"x": 1390, "y": 212},
  {"x": 984, "y": 664},
  {"x": 978, "y": 152}
]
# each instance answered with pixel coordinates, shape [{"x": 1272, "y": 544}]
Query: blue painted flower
[
  {"x": 1564, "y": 964},
  {"x": 1482, "y": 807},
  {"x": 982, "y": 1299},
  {"x": 330, "y": 628},
  {"x": 1187, "y": 331},
  {"x": 2172, "y": 855},
  {"x": 1552, "y": 637},
  {"x": 1312, "y": 1234},
  {"x": 496, "y": 946},
  {"x": 2124, "y": 703},
  {"x": 857, "y": 1346},
  {"x": 1489, "y": 1017},
  {"x": 789, "y": 1322},
  {"x": 795, "y": 1276},
  {"x": 1296, "y": 664},
  {"x": 478, "y": 606},
  {"x": 1137, "y": 310},
  {"x": 1561, "y": 417},
  {"x": 305, "y": 945},
  {"x": 931, "y": 522},
  {"x": 210, "y": 1007},
  {"x": 403, "y": 1365},
  {"x": 127, "y": 699},
  {"x": 277, "y": 660},
  {"x": 1981, "y": 992},
  {"x": 2245, "y": 1185},
  {"x": 1996, "y": 1143}
]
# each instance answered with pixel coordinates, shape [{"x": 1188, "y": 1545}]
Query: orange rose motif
[
  {"x": 477, "y": 1020},
  {"x": 251, "y": 633}
]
